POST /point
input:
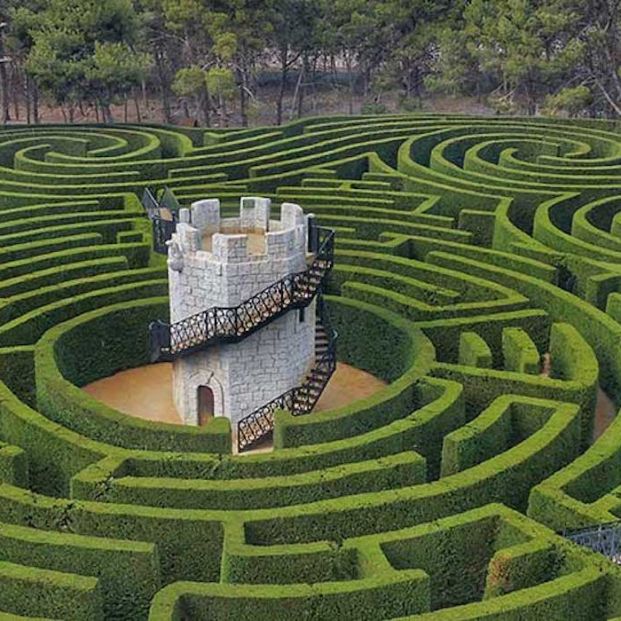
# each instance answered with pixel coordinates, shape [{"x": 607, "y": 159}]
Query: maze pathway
[{"x": 468, "y": 251}]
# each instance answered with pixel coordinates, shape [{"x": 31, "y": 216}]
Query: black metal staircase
[
  {"x": 258, "y": 426},
  {"x": 602, "y": 538}
]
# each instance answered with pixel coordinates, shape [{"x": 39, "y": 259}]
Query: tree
[
  {"x": 561, "y": 56},
  {"x": 405, "y": 41},
  {"x": 23, "y": 19},
  {"x": 345, "y": 29},
  {"x": 76, "y": 44},
  {"x": 248, "y": 21},
  {"x": 112, "y": 73},
  {"x": 294, "y": 26},
  {"x": 598, "y": 27},
  {"x": 571, "y": 100},
  {"x": 221, "y": 82},
  {"x": 526, "y": 49},
  {"x": 190, "y": 82},
  {"x": 5, "y": 115}
]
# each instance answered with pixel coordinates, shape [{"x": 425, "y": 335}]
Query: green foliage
[
  {"x": 189, "y": 81},
  {"x": 221, "y": 82},
  {"x": 522, "y": 56},
  {"x": 474, "y": 351},
  {"x": 82, "y": 49},
  {"x": 569, "y": 100},
  {"x": 466, "y": 249},
  {"x": 519, "y": 352},
  {"x": 113, "y": 71}
]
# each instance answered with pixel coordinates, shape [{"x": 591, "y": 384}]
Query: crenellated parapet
[{"x": 215, "y": 261}]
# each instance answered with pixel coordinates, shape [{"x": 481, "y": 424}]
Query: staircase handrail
[
  {"x": 298, "y": 400},
  {"x": 230, "y": 324}
]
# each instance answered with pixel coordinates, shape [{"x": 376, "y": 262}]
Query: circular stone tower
[{"x": 228, "y": 281}]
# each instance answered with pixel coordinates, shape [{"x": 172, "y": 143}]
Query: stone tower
[{"x": 219, "y": 264}]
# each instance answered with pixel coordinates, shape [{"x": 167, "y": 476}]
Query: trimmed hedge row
[
  {"x": 466, "y": 250},
  {"x": 59, "y": 373}
]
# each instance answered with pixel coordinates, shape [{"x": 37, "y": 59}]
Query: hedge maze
[{"x": 478, "y": 272}]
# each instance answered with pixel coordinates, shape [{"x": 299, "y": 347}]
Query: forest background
[{"x": 225, "y": 63}]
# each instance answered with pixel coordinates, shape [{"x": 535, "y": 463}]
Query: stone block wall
[{"x": 243, "y": 376}]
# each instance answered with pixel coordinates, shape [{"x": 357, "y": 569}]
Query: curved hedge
[{"x": 478, "y": 272}]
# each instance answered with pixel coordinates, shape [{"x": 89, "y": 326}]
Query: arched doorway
[{"x": 205, "y": 405}]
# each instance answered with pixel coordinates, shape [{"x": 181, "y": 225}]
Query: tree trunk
[
  {"x": 296, "y": 92},
  {"x": 5, "y": 114},
  {"x": 161, "y": 76},
  {"x": 313, "y": 88},
  {"x": 106, "y": 113},
  {"x": 137, "y": 108},
  {"x": 35, "y": 103},
  {"x": 243, "y": 92},
  {"x": 15, "y": 91},
  {"x": 608, "y": 97},
  {"x": 224, "y": 117},
  {"x": 417, "y": 79},
  {"x": 145, "y": 96},
  {"x": 27, "y": 94},
  {"x": 284, "y": 67},
  {"x": 365, "y": 81},
  {"x": 305, "y": 71},
  {"x": 350, "y": 78},
  {"x": 243, "y": 104},
  {"x": 205, "y": 105},
  {"x": 530, "y": 98}
]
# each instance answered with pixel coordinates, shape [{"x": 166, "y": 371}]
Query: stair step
[{"x": 321, "y": 373}]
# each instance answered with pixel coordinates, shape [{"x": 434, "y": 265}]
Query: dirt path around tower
[{"x": 146, "y": 392}]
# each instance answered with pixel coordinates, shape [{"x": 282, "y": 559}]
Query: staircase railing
[
  {"x": 259, "y": 425},
  {"x": 162, "y": 228},
  {"x": 602, "y": 538},
  {"x": 232, "y": 324},
  {"x": 149, "y": 202}
]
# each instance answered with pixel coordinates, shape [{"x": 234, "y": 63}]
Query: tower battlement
[
  {"x": 252, "y": 236},
  {"x": 215, "y": 261}
]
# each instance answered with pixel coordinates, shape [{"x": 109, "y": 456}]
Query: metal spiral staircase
[
  {"x": 602, "y": 538},
  {"x": 217, "y": 325}
]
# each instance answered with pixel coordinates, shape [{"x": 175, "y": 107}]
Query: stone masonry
[{"x": 246, "y": 375}]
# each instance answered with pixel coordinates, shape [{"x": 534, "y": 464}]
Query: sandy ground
[
  {"x": 146, "y": 392},
  {"x": 605, "y": 409},
  {"x": 256, "y": 241},
  {"x": 605, "y": 412}
]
